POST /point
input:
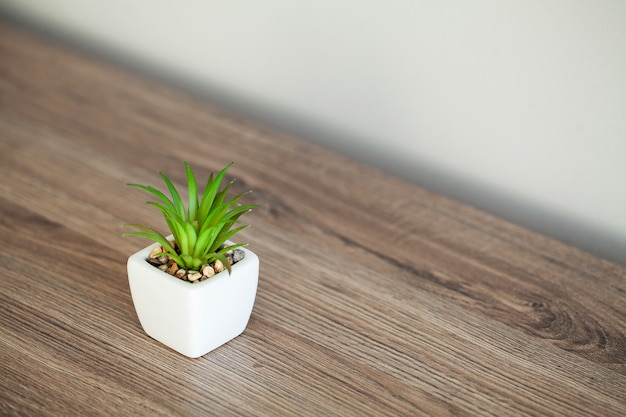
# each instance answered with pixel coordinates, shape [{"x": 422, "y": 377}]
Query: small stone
[
  {"x": 156, "y": 250},
  {"x": 238, "y": 255},
  {"x": 154, "y": 262},
  {"x": 208, "y": 271},
  {"x": 163, "y": 268},
  {"x": 193, "y": 275},
  {"x": 180, "y": 273},
  {"x": 172, "y": 268},
  {"x": 195, "y": 282},
  {"x": 218, "y": 266},
  {"x": 163, "y": 259},
  {"x": 229, "y": 258}
]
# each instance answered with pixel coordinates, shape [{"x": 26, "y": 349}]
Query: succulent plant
[{"x": 200, "y": 230}]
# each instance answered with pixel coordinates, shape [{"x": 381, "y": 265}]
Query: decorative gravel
[{"x": 167, "y": 264}]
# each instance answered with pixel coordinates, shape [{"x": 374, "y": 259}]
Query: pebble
[
  {"x": 238, "y": 255},
  {"x": 168, "y": 265},
  {"x": 172, "y": 268},
  {"x": 154, "y": 262},
  {"x": 193, "y": 275},
  {"x": 218, "y": 266},
  {"x": 208, "y": 271}
]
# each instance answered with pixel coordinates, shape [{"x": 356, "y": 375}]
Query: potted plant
[{"x": 194, "y": 290}]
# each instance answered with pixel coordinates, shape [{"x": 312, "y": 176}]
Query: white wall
[{"x": 517, "y": 107}]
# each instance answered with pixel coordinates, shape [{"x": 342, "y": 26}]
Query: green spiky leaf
[{"x": 201, "y": 230}]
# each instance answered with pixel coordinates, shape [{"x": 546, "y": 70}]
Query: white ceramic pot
[{"x": 193, "y": 319}]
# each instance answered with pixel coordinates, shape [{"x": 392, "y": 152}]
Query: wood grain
[{"x": 376, "y": 297}]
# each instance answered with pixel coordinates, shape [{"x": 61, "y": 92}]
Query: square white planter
[{"x": 193, "y": 319}]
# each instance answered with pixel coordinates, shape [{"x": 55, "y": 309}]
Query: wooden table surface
[{"x": 375, "y": 297}]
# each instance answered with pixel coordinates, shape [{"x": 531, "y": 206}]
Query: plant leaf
[
  {"x": 192, "y": 236},
  {"x": 155, "y": 236},
  {"x": 226, "y": 234},
  {"x": 219, "y": 198},
  {"x": 178, "y": 230},
  {"x": 156, "y": 193},
  {"x": 178, "y": 203},
  {"x": 166, "y": 211},
  {"x": 205, "y": 241},
  {"x": 210, "y": 190},
  {"x": 201, "y": 228},
  {"x": 192, "y": 194}
]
